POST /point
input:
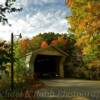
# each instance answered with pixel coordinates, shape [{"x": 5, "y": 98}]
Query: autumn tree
[
  {"x": 44, "y": 44},
  {"x": 49, "y": 36},
  {"x": 85, "y": 23}
]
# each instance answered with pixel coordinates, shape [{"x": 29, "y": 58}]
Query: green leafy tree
[
  {"x": 4, "y": 56},
  {"x": 49, "y": 36},
  {"x": 20, "y": 69}
]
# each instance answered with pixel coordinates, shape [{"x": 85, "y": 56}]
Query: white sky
[{"x": 36, "y": 17}]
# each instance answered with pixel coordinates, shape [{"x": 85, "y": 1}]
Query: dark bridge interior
[{"x": 47, "y": 66}]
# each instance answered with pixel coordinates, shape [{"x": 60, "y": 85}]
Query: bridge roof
[{"x": 50, "y": 50}]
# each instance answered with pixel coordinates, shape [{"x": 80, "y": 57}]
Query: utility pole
[
  {"x": 12, "y": 62},
  {"x": 12, "y": 59}
]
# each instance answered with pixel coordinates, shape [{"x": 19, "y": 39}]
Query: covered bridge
[{"x": 46, "y": 61}]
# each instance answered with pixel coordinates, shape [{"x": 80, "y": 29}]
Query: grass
[{"x": 22, "y": 90}]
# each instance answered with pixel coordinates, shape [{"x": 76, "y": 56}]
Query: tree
[
  {"x": 4, "y": 56},
  {"x": 85, "y": 24},
  {"x": 48, "y": 36},
  {"x": 20, "y": 49},
  {"x": 44, "y": 44},
  {"x": 7, "y": 7}
]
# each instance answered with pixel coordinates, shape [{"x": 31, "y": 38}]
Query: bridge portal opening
[{"x": 47, "y": 66}]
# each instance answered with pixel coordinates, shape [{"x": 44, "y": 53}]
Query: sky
[{"x": 37, "y": 16}]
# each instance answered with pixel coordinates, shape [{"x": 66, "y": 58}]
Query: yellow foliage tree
[{"x": 85, "y": 23}]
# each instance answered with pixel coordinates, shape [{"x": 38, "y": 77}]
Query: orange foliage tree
[
  {"x": 44, "y": 44},
  {"x": 85, "y": 24}
]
